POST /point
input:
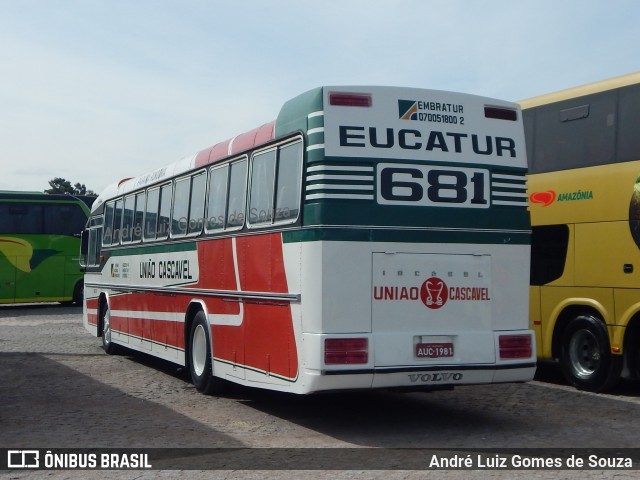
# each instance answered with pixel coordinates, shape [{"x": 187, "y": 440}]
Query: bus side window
[
  {"x": 84, "y": 248},
  {"x": 217, "y": 202},
  {"x": 91, "y": 242},
  {"x": 629, "y": 114},
  {"x": 94, "y": 253},
  {"x": 179, "y": 216},
  {"x": 107, "y": 237},
  {"x": 127, "y": 218},
  {"x": 263, "y": 171},
  {"x": 151, "y": 214},
  {"x": 575, "y": 133},
  {"x": 549, "y": 244},
  {"x": 21, "y": 218},
  {"x": 237, "y": 195},
  {"x": 289, "y": 181},
  {"x": 92, "y": 250},
  {"x": 196, "y": 204},
  {"x": 117, "y": 221},
  {"x": 164, "y": 217},
  {"x": 63, "y": 219},
  {"x": 98, "y": 246},
  {"x": 136, "y": 233}
]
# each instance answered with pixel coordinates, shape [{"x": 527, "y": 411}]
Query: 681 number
[{"x": 422, "y": 185}]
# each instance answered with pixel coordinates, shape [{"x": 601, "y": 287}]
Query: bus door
[{"x": 432, "y": 308}]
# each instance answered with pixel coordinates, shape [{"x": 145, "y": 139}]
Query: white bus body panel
[{"x": 342, "y": 303}]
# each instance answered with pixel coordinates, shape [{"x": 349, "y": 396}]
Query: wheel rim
[
  {"x": 106, "y": 327},
  {"x": 584, "y": 353},
  {"x": 199, "y": 350}
]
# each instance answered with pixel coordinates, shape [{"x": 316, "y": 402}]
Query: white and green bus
[{"x": 369, "y": 237}]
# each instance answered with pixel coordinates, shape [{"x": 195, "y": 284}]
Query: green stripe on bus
[
  {"x": 355, "y": 234},
  {"x": 143, "y": 249},
  {"x": 365, "y": 213}
]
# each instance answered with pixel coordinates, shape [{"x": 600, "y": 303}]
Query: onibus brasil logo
[{"x": 434, "y": 293}]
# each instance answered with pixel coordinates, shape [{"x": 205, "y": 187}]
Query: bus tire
[
  {"x": 106, "y": 332},
  {"x": 78, "y": 293},
  {"x": 586, "y": 359},
  {"x": 632, "y": 350},
  {"x": 200, "y": 358}
]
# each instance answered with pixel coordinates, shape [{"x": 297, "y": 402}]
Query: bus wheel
[
  {"x": 107, "y": 343},
  {"x": 78, "y": 293},
  {"x": 199, "y": 356},
  {"x": 632, "y": 350},
  {"x": 586, "y": 360}
]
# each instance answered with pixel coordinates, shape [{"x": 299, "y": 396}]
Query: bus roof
[
  {"x": 47, "y": 197},
  {"x": 588, "y": 89},
  {"x": 21, "y": 193}
]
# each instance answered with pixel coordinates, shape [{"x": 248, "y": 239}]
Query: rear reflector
[
  {"x": 346, "y": 351},
  {"x": 515, "y": 346},
  {"x": 350, "y": 99},
  {"x": 501, "y": 113}
]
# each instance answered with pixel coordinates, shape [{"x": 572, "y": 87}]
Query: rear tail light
[
  {"x": 341, "y": 99},
  {"x": 501, "y": 113},
  {"x": 346, "y": 351},
  {"x": 515, "y": 346}
]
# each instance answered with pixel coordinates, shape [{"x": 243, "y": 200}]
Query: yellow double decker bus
[{"x": 583, "y": 146}]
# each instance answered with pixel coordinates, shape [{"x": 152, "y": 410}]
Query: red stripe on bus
[
  {"x": 92, "y": 303},
  {"x": 217, "y": 270},
  {"x": 265, "y": 340},
  {"x": 241, "y": 143},
  {"x": 258, "y": 136}
]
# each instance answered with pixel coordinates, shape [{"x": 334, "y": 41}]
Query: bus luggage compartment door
[{"x": 432, "y": 309}]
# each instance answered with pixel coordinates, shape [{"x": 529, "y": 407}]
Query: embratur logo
[{"x": 408, "y": 109}]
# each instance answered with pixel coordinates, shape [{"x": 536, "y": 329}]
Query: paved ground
[{"x": 58, "y": 389}]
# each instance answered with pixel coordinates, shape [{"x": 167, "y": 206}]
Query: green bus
[{"x": 40, "y": 246}]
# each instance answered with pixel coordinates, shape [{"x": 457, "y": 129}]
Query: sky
[{"x": 99, "y": 90}]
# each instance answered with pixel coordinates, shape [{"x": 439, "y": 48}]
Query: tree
[{"x": 61, "y": 185}]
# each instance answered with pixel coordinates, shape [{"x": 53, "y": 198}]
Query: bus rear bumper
[{"x": 417, "y": 377}]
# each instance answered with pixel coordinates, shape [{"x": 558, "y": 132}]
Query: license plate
[{"x": 434, "y": 350}]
